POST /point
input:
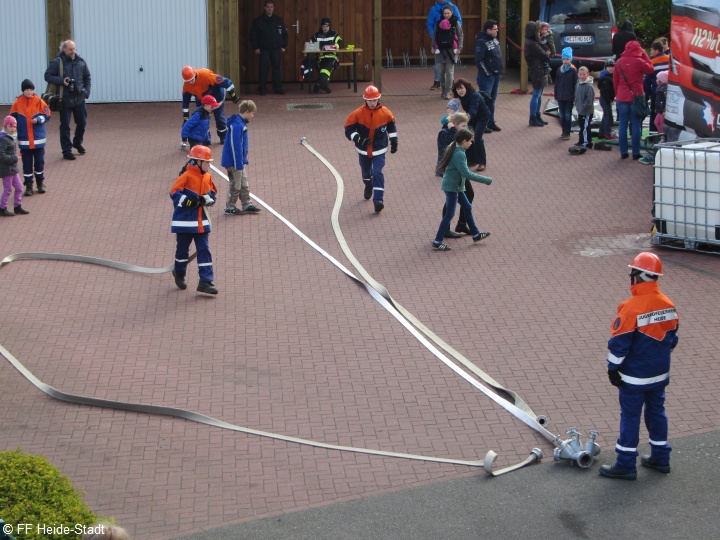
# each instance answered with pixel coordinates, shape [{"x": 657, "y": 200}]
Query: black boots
[
  {"x": 19, "y": 210},
  {"x": 179, "y": 281},
  {"x": 41, "y": 186},
  {"x": 28, "y": 189},
  {"x": 538, "y": 117},
  {"x": 462, "y": 227},
  {"x": 5, "y": 213},
  {"x": 207, "y": 287}
]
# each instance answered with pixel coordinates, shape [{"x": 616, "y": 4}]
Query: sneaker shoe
[
  {"x": 494, "y": 127},
  {"x": 612, "y": 138},
  {"x": 69, "y": 156},
  {"x": 179, "y": 281},
  {"x": 233, "y": 211},
  {"x": 618, "y": 473},
  {"x": 603, "y": 146},
  {"x": 647, "y": 461},
  {"x": 379, "y": 206},
  {"x": 435, "y": 85},
  {"x": 565, "y": 136},
  {"x": 207, "y": 287},
  {"x": 575, "y": 150},
  {"x": 440, "y": 246},
  {"x": 481, "y": 236},
  {"x": 368, "y": 192},
  {"x": 251, "y": 209},
  {"x": 79, "y": 148},
  {"x": 452, "y": 234},
  {"x": 647, "y": 160}
]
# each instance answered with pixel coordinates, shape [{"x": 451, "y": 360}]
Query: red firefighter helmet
[
  {"x": 188, "y": 73},
  {"x": 200, "y": 153},
  {"x": 371, "y": 92},
  {"x": 647, "y": 262}
]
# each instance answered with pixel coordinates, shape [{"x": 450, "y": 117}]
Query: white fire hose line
[{"x": 524, "y": 413}]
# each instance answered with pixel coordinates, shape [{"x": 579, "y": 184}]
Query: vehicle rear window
[{"x": 577, "y": 11}]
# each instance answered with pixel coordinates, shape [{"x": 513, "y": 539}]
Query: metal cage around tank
[{"x": 687, "y": 195}]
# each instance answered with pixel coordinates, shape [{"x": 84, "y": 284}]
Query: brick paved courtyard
[{"x": 292, "y": 346}]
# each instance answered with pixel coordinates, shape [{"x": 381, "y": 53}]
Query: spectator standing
[
  {"x": 433, "y": 18},
  {"x": 447, "y": 46},
  {"x": 198, "y": 83},
  {"x": 372, "y": 128},
  {"x": 329, "y": 41},
  {"x": 628, "y": 83},
  {"x": 475, "y": 106},
  {"x": 235, "y": 160},
  {"x": 585, "y": 106},
  {"x": 77, "y": 82},
  {"x": 622, "y": 37},
  {"x": 31, "y": 113},
  {"x": 9, "y": 171},
  {"x": 661, "y": 62},
  {"x": 489, "y": 63},
  {"x": 269, "y": 38},
  {"x": 607, "y": 96},
  {"x": 535, "y": 56},
  {"x": 566, "y": 78},
  {"x": 643, "y": 336},
  {"x": 191, "y": 194}
]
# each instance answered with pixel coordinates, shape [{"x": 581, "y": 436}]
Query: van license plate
[{"x": 578, "y": 39}]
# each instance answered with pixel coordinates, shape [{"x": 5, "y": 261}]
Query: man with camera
[{"x": 70, "y": 73}]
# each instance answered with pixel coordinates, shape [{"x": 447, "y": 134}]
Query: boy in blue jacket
[
  {"x": 235, "y": 158},
  {"x": 197, "y": 129}
]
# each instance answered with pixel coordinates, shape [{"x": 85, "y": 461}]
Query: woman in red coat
[{"x": 628, "y": 82}]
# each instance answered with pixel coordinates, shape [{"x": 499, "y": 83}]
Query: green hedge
[{"x": 32, "y": 490}]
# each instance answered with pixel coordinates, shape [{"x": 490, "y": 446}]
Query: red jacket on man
[{"x": 633, "y": 64}]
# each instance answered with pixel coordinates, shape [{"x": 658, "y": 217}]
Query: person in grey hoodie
[{"x": 585, "y": 106}]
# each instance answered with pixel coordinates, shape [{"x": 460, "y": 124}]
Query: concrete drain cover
[
  {"x": 612, "y": 245},
  {"x": 308, "y": 106}
]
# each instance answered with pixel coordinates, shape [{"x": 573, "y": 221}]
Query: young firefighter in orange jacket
[
  {"x": 644, "y": 335},
  {"x": 191, "y": 194},
  {"x": 372, "y": 129},
  {"x": 31, "y": 114},
  {"x": 203, "y": 82}
]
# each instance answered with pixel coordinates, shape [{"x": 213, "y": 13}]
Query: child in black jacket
[
  {"x": 446, "y": 135},
  {"x": 607, "y": 96}
]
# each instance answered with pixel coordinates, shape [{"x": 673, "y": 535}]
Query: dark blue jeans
[
  {"x": 268, "y": 58},
  {"x": 490, "y": 85},
  {"x": 565, "y": 110},
  {"x": 371, "y": 169},
  {"x": 607, "y": 119},
  {"x": 626, "y": 115},
  {"x": 80, "y": 114},
  {"x": 536, "y": 101},
  {"x": 451, "y": 200}
]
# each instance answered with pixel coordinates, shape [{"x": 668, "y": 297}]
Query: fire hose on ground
[{"x": 570, "y": 450}]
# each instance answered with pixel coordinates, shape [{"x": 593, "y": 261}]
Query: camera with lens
[{"x": 72, "y": 86}]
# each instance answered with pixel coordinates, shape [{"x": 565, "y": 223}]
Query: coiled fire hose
[{"x": 379, "y": 293}]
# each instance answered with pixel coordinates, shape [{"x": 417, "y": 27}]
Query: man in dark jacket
[
  {"x": 489, "y": 62},
  {"x": 622, "y": 37},
  {"x": 269, "y": 38},
  {"x": 75, "y": 84}
]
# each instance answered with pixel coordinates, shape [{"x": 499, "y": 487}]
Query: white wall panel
[
  {"x": 24, "y": 46},
  {"x": 135, "y": 49}
]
